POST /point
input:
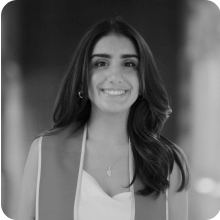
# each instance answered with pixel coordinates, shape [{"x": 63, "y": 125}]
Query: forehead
[{"x": 112, "y": 44}]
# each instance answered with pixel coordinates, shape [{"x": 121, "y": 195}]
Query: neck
[{"x": 108, "y": 128}]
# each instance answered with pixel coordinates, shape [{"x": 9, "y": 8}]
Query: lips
[
  {"x": 114, "y": 89},
  {"x": 115, "y": 92}
]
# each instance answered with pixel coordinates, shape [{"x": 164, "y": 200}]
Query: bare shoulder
[{"x": 26, "y": 208}]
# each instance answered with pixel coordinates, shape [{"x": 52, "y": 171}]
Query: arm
[
  {"x": 26, "y": 207},
  {"x": 178, "y": 201}
]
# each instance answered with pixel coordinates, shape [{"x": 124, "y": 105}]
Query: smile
[{"x": 113, "y": 92}]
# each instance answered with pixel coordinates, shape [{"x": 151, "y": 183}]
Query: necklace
[{"x": 109, "y": 171}]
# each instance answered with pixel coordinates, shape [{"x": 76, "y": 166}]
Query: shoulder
[
  {"x": 33, "y": 156},
  {"x": 29, "y": 182},
  {"x": 34, "y": 153},
  {"x": 62, "y": 133},
  {"x": 68, "y": 139},
  {"x": 54, "y": 137},
  {"x": 31, "y": 166},
  {"x": 180, "y": 174},
  {"x": 178, "y": 200},
  {"x": 181, "y": 168},
  {"x": 175, "y": 178}
]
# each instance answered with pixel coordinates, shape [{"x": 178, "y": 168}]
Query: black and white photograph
[{"x": 110, "y": 110}]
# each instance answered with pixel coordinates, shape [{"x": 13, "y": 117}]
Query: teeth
[{"x": 114, "y": 92}]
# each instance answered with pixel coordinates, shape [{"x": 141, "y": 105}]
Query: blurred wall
[
  {"x": 199, "y": 107},
  {"x": 14, "y": 136}
]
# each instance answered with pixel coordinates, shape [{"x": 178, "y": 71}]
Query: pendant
[{"x": 109, "y": 172}]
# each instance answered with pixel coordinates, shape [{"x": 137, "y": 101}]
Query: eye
[
  {"x": 129, "y": 64},
  {"x": 101, "y": 63}
]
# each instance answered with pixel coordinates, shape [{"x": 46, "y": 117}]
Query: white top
[{"x": 94, "y": 203}]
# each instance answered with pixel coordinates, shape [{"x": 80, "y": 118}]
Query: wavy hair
[{"x": 154, "y": 155}]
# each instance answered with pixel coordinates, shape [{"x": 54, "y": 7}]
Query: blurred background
[{"x": 38, "y": 40}]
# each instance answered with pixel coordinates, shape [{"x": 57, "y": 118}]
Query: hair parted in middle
[{"x": 153, "y": 154}]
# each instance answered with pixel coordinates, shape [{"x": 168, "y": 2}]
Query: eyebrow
[{"x": 109, "y": 56}]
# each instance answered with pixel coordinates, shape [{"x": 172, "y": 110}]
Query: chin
[{"x": 115, "y": 110}]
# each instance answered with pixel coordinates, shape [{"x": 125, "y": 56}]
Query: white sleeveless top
[{"x": 94, "y": 203}]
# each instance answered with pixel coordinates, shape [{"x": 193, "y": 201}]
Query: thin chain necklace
[{"x": 109, "y": 171}]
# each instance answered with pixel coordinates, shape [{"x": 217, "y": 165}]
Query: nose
[{"x": 115, "y": 76}]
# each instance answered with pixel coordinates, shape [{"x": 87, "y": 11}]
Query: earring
[{"x": 80, "y": 94}]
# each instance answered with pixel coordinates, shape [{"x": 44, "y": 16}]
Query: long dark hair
[{"x": 154, "y": 155}]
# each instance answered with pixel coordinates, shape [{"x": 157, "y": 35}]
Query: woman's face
[{"x": 114, "y": 84}]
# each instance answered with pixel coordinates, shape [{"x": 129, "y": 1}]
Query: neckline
[
  {"x": 79, "y": 179},
  {"x": 130, "y": 166},
  {"x": 94, "y": 180}
]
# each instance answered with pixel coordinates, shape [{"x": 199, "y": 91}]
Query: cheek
[
  {"x": 90, "y": 88},
  {"x": 136, "y": 84},
  {"x": 93, "y": 83}
]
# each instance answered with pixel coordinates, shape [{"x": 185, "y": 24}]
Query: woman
[{"x": 105, "y": 157}]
